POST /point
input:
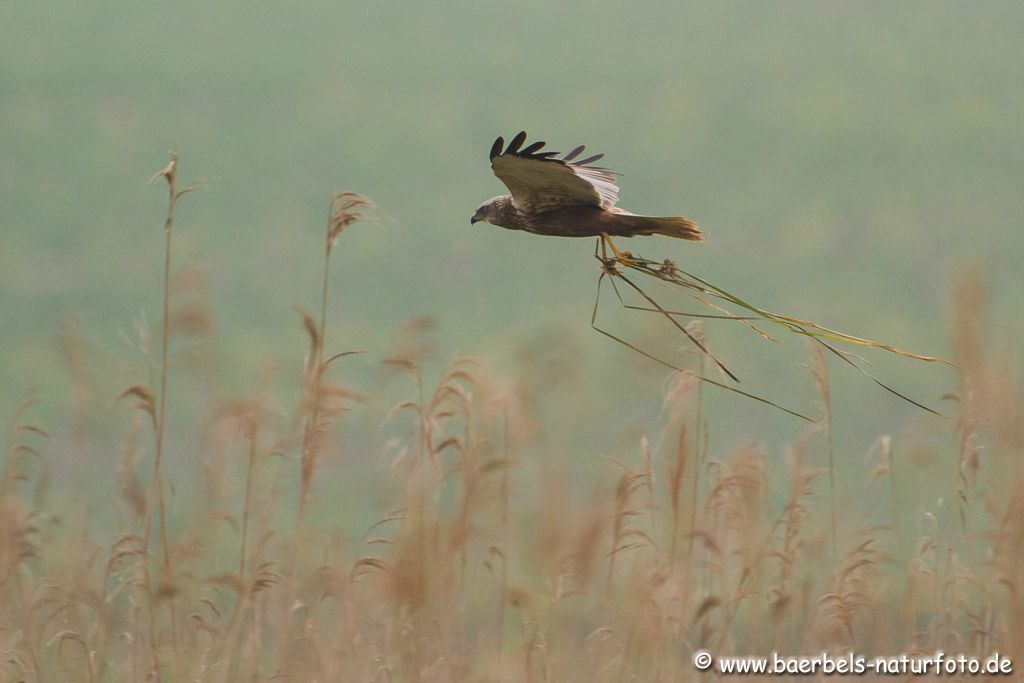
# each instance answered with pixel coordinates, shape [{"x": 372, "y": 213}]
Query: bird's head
[{"x": 487, "y": 211}]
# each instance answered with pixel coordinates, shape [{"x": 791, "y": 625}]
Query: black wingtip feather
[
  {"x": 496, "y": 147},
  {"x": 573, "y": 154},
  {"x": 535, "y": 147},
  {"x": 516, "y": 143},
  {"x": 532, "y": 151}
]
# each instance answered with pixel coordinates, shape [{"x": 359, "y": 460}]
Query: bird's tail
[
  {"x": 670, "y": 226},
  {"x": 677, "y": 226}
]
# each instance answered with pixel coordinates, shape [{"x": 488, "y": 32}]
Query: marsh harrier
[{"x": 564, "y": 197}]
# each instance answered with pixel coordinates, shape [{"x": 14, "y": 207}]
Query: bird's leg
[
  {"x": 608, "y": 265},
  {"x": 623, "y": 257}
]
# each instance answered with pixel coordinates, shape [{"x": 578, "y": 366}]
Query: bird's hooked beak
[{"x": 473, "y": 220}]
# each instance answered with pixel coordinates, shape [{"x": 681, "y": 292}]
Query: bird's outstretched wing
[{"x": 540, "y": 181}]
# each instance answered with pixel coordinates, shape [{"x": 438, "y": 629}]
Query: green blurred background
[{"x": 846, "y": 161}]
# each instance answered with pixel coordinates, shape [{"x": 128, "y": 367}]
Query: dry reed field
[{"x": 486, "y": 568}]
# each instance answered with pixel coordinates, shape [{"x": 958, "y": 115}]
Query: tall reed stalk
[
  {"x": 316, "y": 408},
  {"x": 156, "y": 488},
  {"x": 344, "y": 210}
]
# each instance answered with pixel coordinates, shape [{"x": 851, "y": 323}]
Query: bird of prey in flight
[{"x": 564, "y": 197}]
